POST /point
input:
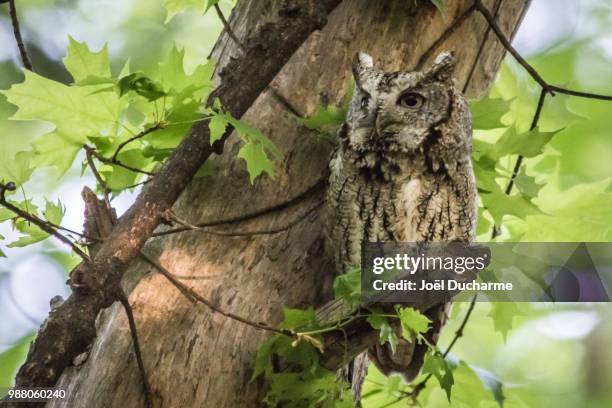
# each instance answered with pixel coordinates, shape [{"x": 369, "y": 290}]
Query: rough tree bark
[{"x": 197, "y": 358}]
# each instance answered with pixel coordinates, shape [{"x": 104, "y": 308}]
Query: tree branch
[
  {"x": 241, "y": 233},
  {"x": 519, "y": 160},
  {"x": 42, "y": 224},
  {"x": 89, "y": 154},
  {"x": 445, "y": 35},
  {"x": 227, "y": 27},
  {"x": 140, "y": 135},
  {"x": 106, "y": 160},
  {"x": 245, "y": 216},
  {"x": 531, "y": 70},
  {"x": 25, "y": 59},
  {"x": 71, "y": 327},
  {"x": 134, "y": 333}
]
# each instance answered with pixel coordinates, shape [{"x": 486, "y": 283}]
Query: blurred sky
[{"x": 134, "y": 29}]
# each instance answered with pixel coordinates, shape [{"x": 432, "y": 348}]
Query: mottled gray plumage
[{"x": 401, "y": 172}]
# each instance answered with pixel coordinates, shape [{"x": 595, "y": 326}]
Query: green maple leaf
[
  {"x": 54, "y": 212},
  {"x": 473, "y": 386},
  {"x": 436, "y": 365},
  {"x": 256, "y": 159},
  {"x": 503, "y": 314},
  {"x": 2, "y": 254},
  {"x": 386, "y": 332},
  {"x": 141, "y": 84},
  {"x": 76, "y": 112},
  {"x": 527, "y": 184},
  {"x": 52, "y": 150},
  {"x": 527, "y": 144},
  {"x": 175, "y": 79},
  {"x": 500, "y": 204},
  {"x": 298, "y": 319},
  {"x": 28, "y": 206},
  {"x": 252, "y": 134},
  {"x": 210, "y": 4},
  {"x": 184, "y": 95},
  {"x": 258, "y": 152},
  {"x": 483, "y": 225},
  {"x": 495, "y": 200},
  {"x": 173, "y": 7},
  {"x": 16, "y": 168},
  {"x": 348, "y": 286},
  {"x": 82, "y": 63},
  {"x": 263, "y": 359},
  {"x": 581, "y": 213},
  {"x": 515, "y": 84},
  {"x": 487, "y": 113},
  {"x": 217, "y": 125},
  {"x": 412, "y": 321}
]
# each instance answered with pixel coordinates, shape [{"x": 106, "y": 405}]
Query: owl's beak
[{"x": 387, "y": 126}]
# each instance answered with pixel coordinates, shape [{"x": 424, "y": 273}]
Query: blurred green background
[{"x": 543, "y": 354}]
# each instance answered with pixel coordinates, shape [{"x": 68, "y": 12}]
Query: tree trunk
[{"x": 195, "y": 357}]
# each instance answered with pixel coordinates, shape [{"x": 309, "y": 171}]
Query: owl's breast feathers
[{"x": 412, "y": 204}]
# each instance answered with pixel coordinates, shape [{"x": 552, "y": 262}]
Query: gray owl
[{"x": 401, "y": 172}]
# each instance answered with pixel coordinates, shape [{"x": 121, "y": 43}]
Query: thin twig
[
  {"x": 195, "y": 297},
  {"x": 142, "y": 183},
  {"x": 580, "y": 94},
  {"x": 61, "y": 228},
  {"x": 240, "y": 233},
  {"x": 534, "y": 124},
  {"x": 228, "y": 28},
  {"x": 71, "y": 231},
  {"x": 519, "y": 159},
  {"x": 249, "y": 215},
  {"x": 25, "y": 59},
  {"x": 445, "y": 35},
  {"x": 194, "y": 277},
  {"x": 459, "y": 331},
  {"x": 137, "y": 351},
  {"x": 105, "y": 190},
  {"x": 140, "y": 135},
  {"x": 106, "y": 160},
  {"x": 42, "y": 224},
  {"x": 531, "y": 70},
  {"x": 506, "y": 43}
]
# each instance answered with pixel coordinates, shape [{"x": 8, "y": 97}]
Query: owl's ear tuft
[
  {"x": 362, "y": 63},
  {"x": 443, "y": 67}
]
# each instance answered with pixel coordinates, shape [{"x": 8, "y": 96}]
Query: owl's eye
[{"x": 410, "y": 100}]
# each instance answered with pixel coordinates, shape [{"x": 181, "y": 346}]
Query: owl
[{"x": 401, "y": 172}]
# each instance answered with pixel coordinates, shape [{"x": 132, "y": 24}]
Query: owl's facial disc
[
  {"x": 395, "y": 113},
  {"x": 409, "y": 108}
]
